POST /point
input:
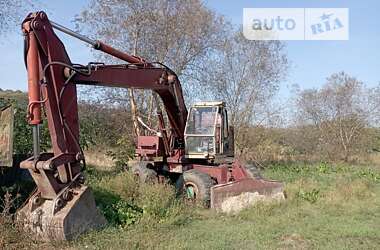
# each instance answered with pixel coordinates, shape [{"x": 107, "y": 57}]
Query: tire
[
  {"x": 253, "y": 171},
  {"x": 143, "y": 173},
  {"x": 179, "y": 184},
  {"x": 198, "y": 184}
]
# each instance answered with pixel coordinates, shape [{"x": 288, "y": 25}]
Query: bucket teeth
[{"x": 49, "y": 220}]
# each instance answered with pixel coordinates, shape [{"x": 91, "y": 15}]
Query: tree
[
  {"x": 246, "y": 74},
  {"x": 178, "y": 33},
  {"x": 341, "y": 111},
  {"x": 11, "y": 13}
]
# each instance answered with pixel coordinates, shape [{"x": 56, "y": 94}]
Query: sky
[{"x": 310, "y": 61}]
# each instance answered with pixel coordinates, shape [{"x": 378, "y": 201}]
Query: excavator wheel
[
  {"x": 197, "y": 186},
  {"x": 143, "y": 173}
]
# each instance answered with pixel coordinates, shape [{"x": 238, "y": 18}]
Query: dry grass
[
  {"x": 12, "y": 235},
  {"x": 375, "y": 159},
  {"x": 328, "y": 207},
  {"x": 99, "y": 160}
]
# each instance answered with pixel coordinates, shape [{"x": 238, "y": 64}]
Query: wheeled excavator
[{"x": 195, "y": 148}]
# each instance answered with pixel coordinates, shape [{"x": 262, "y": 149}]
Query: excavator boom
[{"x": 62, "y": 201}]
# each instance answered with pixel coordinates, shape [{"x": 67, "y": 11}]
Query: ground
[{"x": 327, "y": 207}]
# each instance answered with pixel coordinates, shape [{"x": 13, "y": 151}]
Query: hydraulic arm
[{"x": 52, "y": 80}]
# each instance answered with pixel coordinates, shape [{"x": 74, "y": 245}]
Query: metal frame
[{"x": 219, "y": 106}]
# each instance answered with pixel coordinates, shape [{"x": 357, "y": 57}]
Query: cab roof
[{"x": 208, "y": 104}]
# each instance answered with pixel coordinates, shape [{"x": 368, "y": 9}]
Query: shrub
[
  {"x": 12, "y": 235},
  {"x": 125, "y": 202}
]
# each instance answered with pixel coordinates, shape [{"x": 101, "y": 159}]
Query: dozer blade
[
  {"x": 77, "y": 216},
  {"x": 236, "y": 195}
]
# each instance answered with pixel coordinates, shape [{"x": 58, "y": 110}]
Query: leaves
[
  {"x": 341, "y": 111},
  {"x": 12, "y": 12}
]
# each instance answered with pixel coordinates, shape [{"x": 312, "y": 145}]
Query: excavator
[{"x": 195, "y": 149}]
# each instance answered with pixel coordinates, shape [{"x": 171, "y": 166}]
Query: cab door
[{"x": 227, "y": 135}]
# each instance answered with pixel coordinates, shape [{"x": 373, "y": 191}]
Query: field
[{"x": 327, "y": 207}]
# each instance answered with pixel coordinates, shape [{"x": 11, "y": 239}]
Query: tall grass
[
  {"x": 124, "y": 201},
  {"x": 12, "y": 235},
  {"x": 327, "y": 207}
]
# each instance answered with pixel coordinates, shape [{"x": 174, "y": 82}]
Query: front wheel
[{"x": 197, "y": 186}]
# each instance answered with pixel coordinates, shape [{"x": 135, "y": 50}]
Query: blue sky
[{"x": 311, "y": 61}]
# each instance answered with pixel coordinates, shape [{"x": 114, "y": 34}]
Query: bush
[
  {"x": 23, "y": 140},
  {"x": 123, "y": 152},
  {"x": 125, "y": 202}
]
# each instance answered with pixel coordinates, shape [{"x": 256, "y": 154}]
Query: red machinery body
[{"x": 52, "y": 80}]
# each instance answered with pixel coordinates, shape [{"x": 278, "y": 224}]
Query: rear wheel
[
  {"x": 143, "y": 173},
  {"x": 197, "y": 186}
]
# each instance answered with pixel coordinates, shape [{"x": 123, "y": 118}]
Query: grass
[{"x": 327, "y": 207}]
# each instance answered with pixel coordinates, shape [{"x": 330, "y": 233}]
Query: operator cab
[{"x": 207, "y": 134}]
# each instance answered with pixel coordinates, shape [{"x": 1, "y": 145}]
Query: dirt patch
[{"x": 237, "y": 203}]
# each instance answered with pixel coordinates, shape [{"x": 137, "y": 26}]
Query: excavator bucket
[
  {"x": 6, "y": 136},
  {"x": 247, "y": 189},
  {"x": 57, "y": 211},
  {"x": 77, "y": 216}
]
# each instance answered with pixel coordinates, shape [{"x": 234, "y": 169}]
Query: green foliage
[
  {"x": 23, "y": 140},
  {"x": 340, "y": 212},
  {"x": 161, "y": 204},
  {"x": 344, "y": 216},
  {"x": 120, "y": 212},
  {"x": 125, "y": 202},
  {"x": 124, "y": 150},
  {"x": 310, "y": 196},
  {"x": 323, "y": 168},
  {"x": 126, "y": 214},
  {"x": 369, "y": 174},
  {"x": 108, "y": 128},
  {"x": 303, "y": 144}
]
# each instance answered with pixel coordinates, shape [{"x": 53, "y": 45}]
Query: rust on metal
[
  {"x": 117, "y": 53},
  {"x": 219, "y": 173},
  {"x": 63, "y": 218},
  {"x": 62, "y": 207},
  {"x": 32, "y": 61}
]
